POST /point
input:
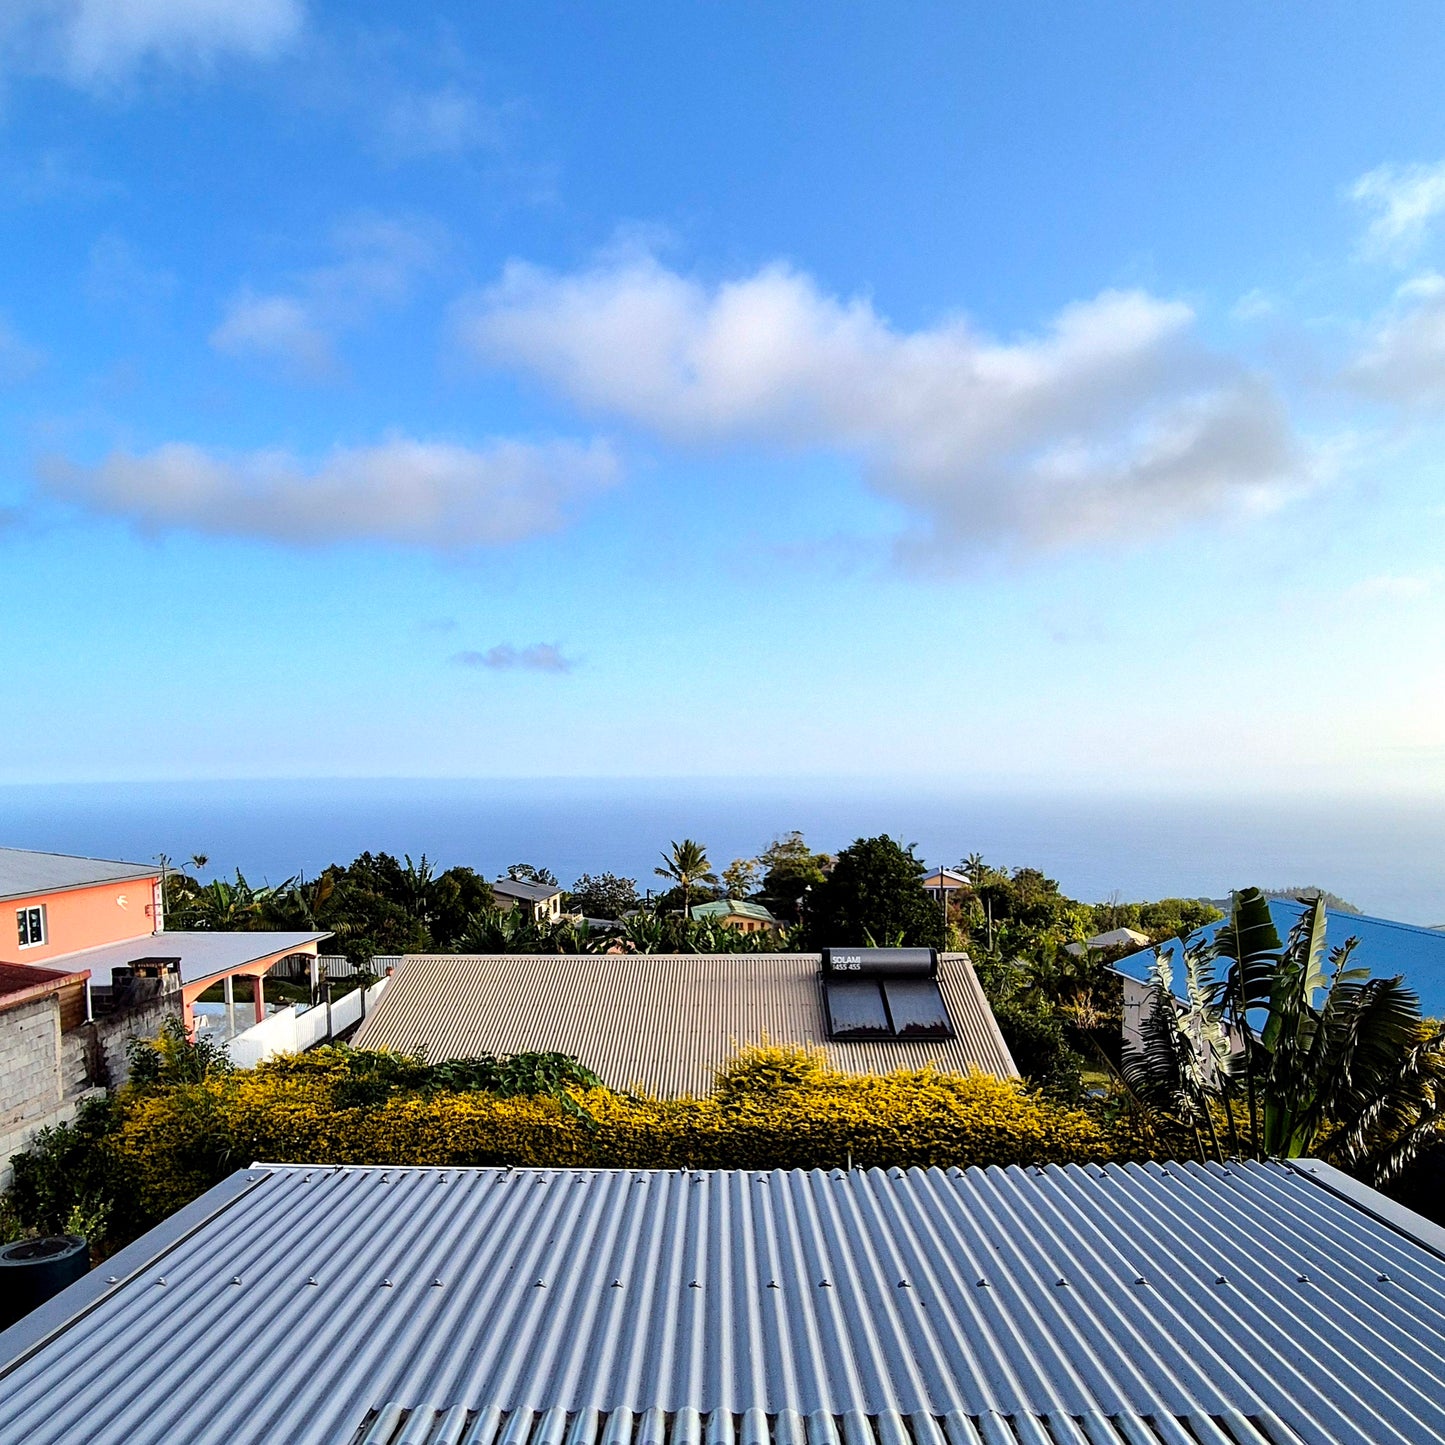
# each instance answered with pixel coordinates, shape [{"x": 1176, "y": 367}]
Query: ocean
[{"x": 1386, "y": 856}]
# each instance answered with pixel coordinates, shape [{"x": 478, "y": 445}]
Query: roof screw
[
  {"x": 1219, "y": 1279},
  {"x": 161, "y": 1280},
  {"x": 1140, "y": 1280},
  {"x": 1383, "y": 1279},
  {"x": 436, "y": 1282},
  {"x": 616, "y": 1284},
  {"x": 772, "y": 1284},
  {"x": 825, "y": 1284},
  {"x": 540, "y": 1284},
  {"x": 386, "y": 1284},
  {"x": 115, "y": 1279},
  {"x": 1060, "y": 1282},
  {"x": 694, "y": 1285},
  {"x": 311, "y": 1279},
  {"x": 903, "y": 1284},
  {"x": 1304, "y": 1279},
  {"x": 983, "y": 1284}
]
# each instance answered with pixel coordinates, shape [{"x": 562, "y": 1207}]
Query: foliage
[
  {"x": 790, "y": 870},
  {"x": 66, "y": 1175},
  {"x": 1167, "y": 918},
  {"x": 740, "y": 877},
  {"x": 1296, "y": 1050},
  {"x": 604, "y": 895},
  {"x": 173, "y": 1057},
  {"x": 775, "y": 1108},
  {"x": 528, "y": 873},
  {"x": 686, "y": 863},
  {"x": 1040, "y": 1048},
  {"x": 1308, "y": 893},
  {"x": 874, "y": 891}
]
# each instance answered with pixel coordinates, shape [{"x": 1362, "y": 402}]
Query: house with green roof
[{"x": 736, "y": 913}]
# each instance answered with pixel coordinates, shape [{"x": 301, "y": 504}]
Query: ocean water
[{"x": 1386, "y": 856}]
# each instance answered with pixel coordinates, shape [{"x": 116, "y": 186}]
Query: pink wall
[{"x": 81, "y": 918}]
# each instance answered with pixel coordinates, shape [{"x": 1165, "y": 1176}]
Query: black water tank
[
  {"x": 31, "y": 1270},
  {"x": 881, "y": 962}
]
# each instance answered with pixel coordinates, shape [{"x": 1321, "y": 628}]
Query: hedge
[{"x": 774, "y": 1108}]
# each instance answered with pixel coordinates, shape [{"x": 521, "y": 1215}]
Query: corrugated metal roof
[
  {"x": 1387, "y": 947},
  {"x": 1184, "y": 1303},
  {"x": 658, "y": 1021},
  {"x": 26, "y": 874},
  {"x": 734, "y": 908}
]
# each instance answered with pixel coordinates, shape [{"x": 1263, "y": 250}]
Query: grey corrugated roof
[
  {"x": 1182, "y": 1304},
  {"x": 24, "y": 874},
  {"x": 203, "y": 953},
  {"x": 530, "y": 892},
  {"x": 660, "y": 1021}
]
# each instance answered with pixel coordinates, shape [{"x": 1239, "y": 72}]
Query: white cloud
[
  {"x": 19, "y": 361},
  {"x": 539, "y": 657},
  {"x": 444, "y": 122},
  {"x": 276, "y": 328},
  {"x": 1394, "y": 587},
  {"x": 96, "y": 42},
  {"x": 377, "y": 260},
  {"x": 1403, "y": 359},
  {"x": 423, "y": 494},
  {"x": 1113, "y": 422},
  {"x": 1404, "y": 202}
]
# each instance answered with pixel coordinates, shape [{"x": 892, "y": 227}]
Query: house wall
[
  {"x": 46, "y": 1073},
  {"x": 32, "y": 1092},
  {"x": 82, "y": 918}
]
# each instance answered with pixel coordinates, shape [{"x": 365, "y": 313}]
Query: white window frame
[{"x": 24, "y": 917}]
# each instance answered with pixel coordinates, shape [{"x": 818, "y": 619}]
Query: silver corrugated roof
[
  {"x": 1141, "y": 1304},
  {"x": 658, "y": 1021},
  {"x": 26, "y": 874}
]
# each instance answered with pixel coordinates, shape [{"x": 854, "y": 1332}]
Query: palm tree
[
  {"x": 687, "y": 866},
  {"x": 1330, "y": 1061}
]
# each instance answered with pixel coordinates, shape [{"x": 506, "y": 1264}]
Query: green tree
[
  {"x": 740, "y": 877},
  {"x": 687, "y": 865},
  {"x": 603, "y": 895},
  {"x": 790, "y": 869},
  {"x": 528, "y": 873},
  {"x": 874, "y": 892}
]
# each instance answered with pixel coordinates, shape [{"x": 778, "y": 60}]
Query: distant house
[
  {"x": 737, "y": 913},
  {"x": 1123, "y": 939},
  {"x": 1277, "y": 1303},
  {"x": 945, "y": 881},
  {"x": 543, "y": 899},
  {"x": 664, "y": 1022}
]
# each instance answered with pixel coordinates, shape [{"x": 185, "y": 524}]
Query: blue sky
[{"x": 1049, "y": 397}]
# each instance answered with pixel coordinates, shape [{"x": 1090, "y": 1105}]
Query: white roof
[{"x": 201, "y": 954}]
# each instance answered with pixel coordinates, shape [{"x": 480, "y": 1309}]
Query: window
[
  {"x": 884, "y": 994},
  {"x": 31, "y": 924}
]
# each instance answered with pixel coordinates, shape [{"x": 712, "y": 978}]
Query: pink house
[{"x": 108, "y": 919}]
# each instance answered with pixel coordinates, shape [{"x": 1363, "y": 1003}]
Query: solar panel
[
  {"x": 916, "y": 1009},
  {"x": 855, "y": 1009}
]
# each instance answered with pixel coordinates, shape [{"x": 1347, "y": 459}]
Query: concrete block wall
[{"x": 44, "y": 1073}]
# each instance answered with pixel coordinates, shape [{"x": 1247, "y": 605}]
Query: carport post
[{"x": 258, "y": 996}]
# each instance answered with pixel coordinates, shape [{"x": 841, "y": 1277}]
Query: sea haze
[{"x": 1388, "y": 857}]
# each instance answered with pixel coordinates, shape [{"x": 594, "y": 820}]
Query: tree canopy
[{"x": 873, "y": 895}]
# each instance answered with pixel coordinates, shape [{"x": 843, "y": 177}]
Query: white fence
[{"x": 290, "y": 1031}]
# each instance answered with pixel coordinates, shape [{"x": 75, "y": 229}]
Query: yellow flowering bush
[{"x": 773, "y": 1108}]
